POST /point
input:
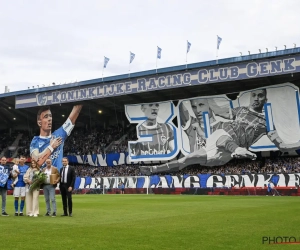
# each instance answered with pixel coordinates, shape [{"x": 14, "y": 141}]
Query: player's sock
[
  {"x": 167, "y": 167},
  {"x": 16, "y": 205},
  {"x": 22, "y": 206},
  {"x": 227, "y": 143}
]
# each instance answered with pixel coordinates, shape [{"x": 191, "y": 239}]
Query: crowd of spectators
[
  {"x": 6, "y": 141},
  {"x": 97, "y": 141},
  {"x": 83, "y": 142},
  {"x": 115, "y": 171},
  {"x": 122, "y": 147},
  {"x": 24, "y": 143},
  {"x": 278, "y": 165}
]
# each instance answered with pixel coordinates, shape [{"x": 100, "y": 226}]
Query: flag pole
[
  {"x": 106, "y": 59},
  {"x": 188, "y": 46},
  {"x": 186, "y": 59},
  {"x": 156, "y": 64},
  {"x": 217, "y": 49},
  {"x": 129, "y": 70},
  {"x": 129, "y": 64}
]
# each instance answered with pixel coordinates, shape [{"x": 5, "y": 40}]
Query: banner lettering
[{"x": 191, "y": 181}]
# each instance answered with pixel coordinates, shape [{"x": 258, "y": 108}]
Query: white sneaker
[
  {"x": 243, "y": 153},
  {"x": 30, "y": 215},
  {"x": 35, "y": 215}
]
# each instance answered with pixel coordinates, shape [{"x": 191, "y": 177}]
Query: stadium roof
[
  {"x": 225, "y": 61},
  {"x": 113, "y": 107}
]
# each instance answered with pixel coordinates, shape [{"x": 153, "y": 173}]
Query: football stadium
[{"x": 196, "y": 156}]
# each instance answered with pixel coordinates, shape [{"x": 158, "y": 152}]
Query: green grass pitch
[{"x": 156, "y": 222}]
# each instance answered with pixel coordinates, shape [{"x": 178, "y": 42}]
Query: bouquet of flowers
[{"x": 38, "y": 179}]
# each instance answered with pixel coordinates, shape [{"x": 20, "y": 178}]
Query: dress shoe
[{"x": 64, "y": 215}]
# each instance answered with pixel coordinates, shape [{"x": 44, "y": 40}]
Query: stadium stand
[
  {"x": 95, "y": 142},
  {"x": 123, "y": 170},
  {"x": 101, "y": 133},
  {"x": 279, "y": 165},
  {"x": 9, "y": 142}
]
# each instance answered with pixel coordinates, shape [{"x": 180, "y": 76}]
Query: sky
[{"x": 65, "y": 41}]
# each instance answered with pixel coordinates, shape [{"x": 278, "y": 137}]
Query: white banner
[{"x": 212, "y": 130}]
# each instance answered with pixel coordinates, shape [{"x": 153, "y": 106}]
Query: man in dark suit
[{"x": 66, "y": 186}]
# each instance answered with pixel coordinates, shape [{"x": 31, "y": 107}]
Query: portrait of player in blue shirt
[{"x": 49, "y": 144}]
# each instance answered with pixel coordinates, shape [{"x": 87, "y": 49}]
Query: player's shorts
[
  {"x": 215, "y": 155},
  {"x": 19, "y": 191}
]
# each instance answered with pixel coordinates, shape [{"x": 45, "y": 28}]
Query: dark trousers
[{"x": 66, "y": 198}]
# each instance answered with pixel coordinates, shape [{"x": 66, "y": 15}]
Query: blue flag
[
  {"x": 158, "y": 52},
  {"x": 106, "y": 59},
  {"x": 188, "y": 46},
  {"x": 132, "y": 56},
  {"x": 219, "y": 40}
]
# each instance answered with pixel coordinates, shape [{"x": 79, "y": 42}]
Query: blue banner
[
  {"x": 191, "y": 181},
  {"x": 104, "y": 160},
  {"x": 100, "y": 160}
]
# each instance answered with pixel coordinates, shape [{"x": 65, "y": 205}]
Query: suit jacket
[
  {"x": 54, "y": 170},
  {"x": 71, "y": 176}
]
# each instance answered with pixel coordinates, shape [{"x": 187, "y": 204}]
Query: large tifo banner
[
  {"x": 191, "y": 181},
  {"x": 212, "y": 130}
]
